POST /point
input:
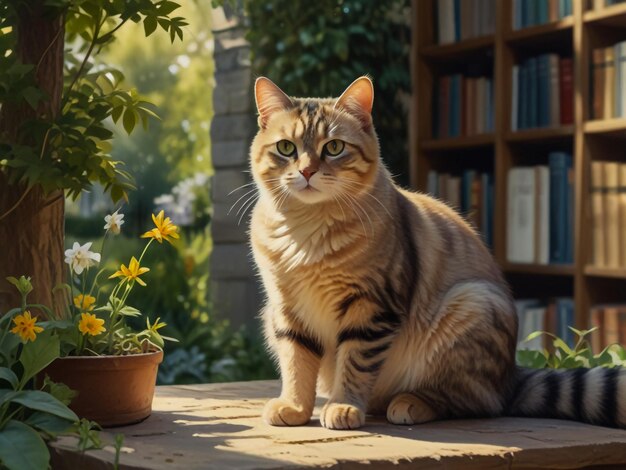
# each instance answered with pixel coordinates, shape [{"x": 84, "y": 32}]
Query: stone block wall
[{"x": 235, "y": 291}]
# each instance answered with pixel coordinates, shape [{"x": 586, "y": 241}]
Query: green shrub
[{"x": 564, "y": 357}]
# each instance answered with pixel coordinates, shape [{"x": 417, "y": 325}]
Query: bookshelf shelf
[
  {"x": 587, "y": 141},
  {"x": 539, "y": 34},
  {"x": 542, "y": 134},
  {"x": 614, "y": 15},
  {"x": 606, "y": 126},
  {"x": 596, "y": 271},
  {"x": 463, "y": 142},
  {"x": 540, "y": 269},
  {"x": 456, "y": 50}
]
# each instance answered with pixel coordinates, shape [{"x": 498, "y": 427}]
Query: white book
[
  {"x": 515, "y": 97},
  {"x": 432, "y": 183},
  {"x": 521, "y": 305},
  {"x": 542, "y": 214},
  {"x": 453, "y": 192},
  {"x": 555, "y": 101},
  {"x": 622, "y": 78},
  {"x": 533, "y": 320},
  {"x": 521, "y": 215}
]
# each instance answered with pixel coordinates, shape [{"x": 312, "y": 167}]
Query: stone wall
[{"x": 235, "y": 291}]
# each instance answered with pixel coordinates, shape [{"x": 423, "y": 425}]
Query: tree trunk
[{"x": 32, "y": 234}]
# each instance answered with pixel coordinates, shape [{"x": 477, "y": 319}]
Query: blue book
[
  {"x": 559, "y": 163},
  {"x": 569, "y": 224},
  {"x": 568, "y": 8},
  {"x": 518, "y": 13},
  {"x": 454, "y": 123},
  {"x": 543, "y": 90},
  {"x": 565, "y": 318},
  {"x": 531, "y": 12},
  {"x": 542, "y": 11},
  {"x": 533, "y": 92},
  {"x": 457, "y": 20},
  {"x": 522, "y": 96},
  {"x": 487, "y": 209},
  {"x": 466, "y": 190},
  {"x": 490, "y": 106}
]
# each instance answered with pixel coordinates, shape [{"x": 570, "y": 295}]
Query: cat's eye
[
  {"x": 334, "y": 147},
  {"x": 285, "y": 148}
]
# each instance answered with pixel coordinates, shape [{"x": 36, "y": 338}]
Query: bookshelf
[{"x": 587, "y": 140}]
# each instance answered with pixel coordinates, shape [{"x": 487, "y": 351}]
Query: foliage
[
  {"x": 564, "y": 357},
  {"x": 30, "y": 416},
  {"x": 318, "y": 48},
  {"x": 74, "y": 150}
]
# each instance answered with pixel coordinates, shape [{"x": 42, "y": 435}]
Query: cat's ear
[
  {"x": 358, "y": 100},
  {"x": 269, "y": 99}
]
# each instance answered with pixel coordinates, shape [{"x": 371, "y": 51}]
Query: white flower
[
  {"x": 80, "y": 258},
  {"x": 114, "y": 222}
]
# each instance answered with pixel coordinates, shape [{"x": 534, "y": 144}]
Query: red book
[
  {"x": 566, "y": 88},
  {"x": 444, "y": 90}
]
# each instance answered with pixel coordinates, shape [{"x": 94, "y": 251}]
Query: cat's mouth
[{"x": 309, "y": 188}]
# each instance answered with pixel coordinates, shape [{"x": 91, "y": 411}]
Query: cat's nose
[{"x": 307, "y": 173}]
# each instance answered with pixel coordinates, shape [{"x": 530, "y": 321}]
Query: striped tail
[{"x": 595, "y": 396}]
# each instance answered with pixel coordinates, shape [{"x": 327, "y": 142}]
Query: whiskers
[{"x": 249, "y": 198}]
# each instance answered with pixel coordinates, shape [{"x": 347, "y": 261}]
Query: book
[
  {"x": 622, "y": 214},
  {"x": 554, "y": 90},
  {"x": 566, "y": 89},
  {"x": 564, "y": 307},
  {"x": 611, "y": 325},
  {"x": 612, "y": 214},
  {"x": 609, "y": 83},
  {"x": 521, "y": 215},
  {"x": 597, "y": 336},
  {"x": 534, "y": 320},
  {"x": 533, "y": 92},
  {"x": 432, "y": 183},
  {"x": 560, "y": 226},
  {"x": 453, "y": 191},
  {"x": 597, "y": 104},
  {"x": 542, "y": 214},
  {"x": 543, "y": 91},
  {"x": 597, "y": 210},
  {"x": 620, "y": 67}
]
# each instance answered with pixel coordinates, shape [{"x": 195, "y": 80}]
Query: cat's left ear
[
  {"x": 358, "y": 100},
  {"x": 269, "y": 99}
]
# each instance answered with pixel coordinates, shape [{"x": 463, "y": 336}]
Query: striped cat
[{"x": 384, "y": 300}]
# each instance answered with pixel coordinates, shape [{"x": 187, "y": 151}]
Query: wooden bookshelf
[{"x": 587, "y": 140}]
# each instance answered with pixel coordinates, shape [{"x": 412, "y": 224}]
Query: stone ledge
[{"x": 218, "y": 426}]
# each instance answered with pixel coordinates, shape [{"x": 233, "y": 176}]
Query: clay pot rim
[{"x": 112, "y": 356}]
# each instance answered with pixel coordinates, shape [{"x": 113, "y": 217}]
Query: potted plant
[{"x": 109, "y": 363}]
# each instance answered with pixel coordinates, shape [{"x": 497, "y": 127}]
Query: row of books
[
  {"x": 610, "y": 321},
  {"x": 457, "y": 20},
  {"x": 462, "y": 106},
  {"x": 543, "y": 92},
  {"x": 608, "y": 75},
  {"x": 599, "y": 4},
  {"x": 540, "y": 214},
  {"x": 535, "y": 12},
  {"x": 472, "y": 193},
  {"x": 608, "y": 202},
  {"x": 554, "y": 317}
]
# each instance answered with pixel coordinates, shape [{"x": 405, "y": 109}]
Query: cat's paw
[
  {"x": 279, "y": 412},
  {"x": 409, "y": 409},
  {"x": 341, "y": 416}
]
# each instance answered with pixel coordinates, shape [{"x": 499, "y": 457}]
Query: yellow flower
[
  {"x": 25, "y": 326},
  {"x": 84, "y": 302},
  {"x": 164, "y": 229},
  {"x": 133, "y": 271},
  {"x": 89, "y": 324}
]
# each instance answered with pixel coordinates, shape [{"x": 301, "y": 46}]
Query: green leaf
[
  {"x": 8, "y": 375},
  {"x": 22, "y": 448},
  {"x": 42, "y": 401},
  {"x": 59, "y": 391},
  {"x": 130, "y": 120},
  {"x": 533, "y": 335},
  {"x": 48, "y": 423},
  {"x": 149, "y": 25},
  {"x": 38, "y": 354}
]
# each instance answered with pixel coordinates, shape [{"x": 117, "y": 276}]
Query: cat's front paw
[
  {"x": 341, "y": 416},
  {"x": 279, "y": 412}
]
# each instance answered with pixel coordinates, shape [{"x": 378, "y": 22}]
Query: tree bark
[{"x": 32, "y": 235}]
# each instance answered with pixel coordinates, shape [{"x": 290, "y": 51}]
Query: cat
[{"x": 386, "y": 301}]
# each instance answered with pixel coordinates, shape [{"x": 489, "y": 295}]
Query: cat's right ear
[{"x": 269, "y": 99}]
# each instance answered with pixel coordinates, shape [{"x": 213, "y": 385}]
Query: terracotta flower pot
[{"x": 112, "y": 390}]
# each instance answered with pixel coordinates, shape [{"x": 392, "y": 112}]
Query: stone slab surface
[{"x": 218, "y": 426}]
